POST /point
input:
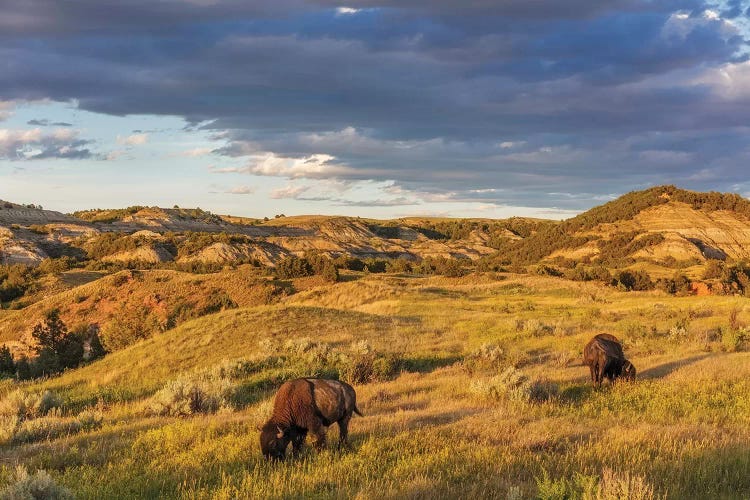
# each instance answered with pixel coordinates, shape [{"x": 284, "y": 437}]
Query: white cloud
[
  {"x": 6, "y": 109},
  {"x": 241, "y": 190},
  {"x": 288, "y": 192},
  {"x": 317, "y": 166},
  {"x": 196, "y": 152},
  {"x": 729, "y": 82},
  {"x": 133, "y": 139},
  {"x": 115, "y": 155},
  {"x": 681, "y": 24},
  {"x": 17, "y": 144},
  {"x": 343, "y": 11}
]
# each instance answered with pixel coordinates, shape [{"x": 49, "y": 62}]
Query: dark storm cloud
[{"x": 536, "y": 98}]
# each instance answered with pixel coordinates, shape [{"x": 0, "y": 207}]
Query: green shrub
[
  {"x": 293, "y": 267},
  {"x": 633, "y": 280},
  {"x": 733, "y": 339},
  {"x": 129, "y": 325}
]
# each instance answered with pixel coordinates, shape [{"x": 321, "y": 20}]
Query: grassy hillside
[{"x": 489, "y": 399}]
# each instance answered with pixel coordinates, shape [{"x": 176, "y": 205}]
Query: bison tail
[{"x": 356, "y": 410}]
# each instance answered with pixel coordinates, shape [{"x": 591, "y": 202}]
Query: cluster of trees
[
  {"x": 614, "y": 251},
  {"x": 496, "y": 231},
  {"x": 15, "y": 281},
  {"x": 309, "y": 265},
  {"x": 107, "y": 216},
  {"x": 55, "y": 350}
]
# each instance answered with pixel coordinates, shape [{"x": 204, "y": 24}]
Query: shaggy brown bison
[
  {"x": 307, "y": 405},
  {"x": 604, "y": 357}
]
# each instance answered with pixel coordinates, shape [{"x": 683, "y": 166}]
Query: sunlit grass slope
[{"x": 435, "y": 430}]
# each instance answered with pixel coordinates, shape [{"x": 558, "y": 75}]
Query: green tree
[
  {"x": 7, "y": 365},
  {"x": 51, "y": 333},
  {"x": 23, "y": 369}
]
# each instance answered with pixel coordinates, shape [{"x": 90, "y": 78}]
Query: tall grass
[{"x": 478, "y": 406}]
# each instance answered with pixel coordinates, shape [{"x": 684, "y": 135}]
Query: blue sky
[{"x": 378, "y": 108}]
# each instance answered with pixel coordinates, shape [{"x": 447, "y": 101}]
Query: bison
[
  {"x": 604, "y": 357},
  {"x": 307, "y": 405}
]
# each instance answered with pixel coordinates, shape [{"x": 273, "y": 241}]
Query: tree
[
  {"x": 51, "y": 333},
  {"x": 7, "y": 365},
  {"x": 23, "y": 369},
  {"x": 330, "y": 272}
]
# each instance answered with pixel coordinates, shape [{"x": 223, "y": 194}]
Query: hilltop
[
  {"x": 660, "y": 225},
  {"x": 29, "y": 235}
]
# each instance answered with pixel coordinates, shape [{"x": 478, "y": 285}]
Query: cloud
[
  {"x": 133, "y": 139},
  {"x": 47, "y": 123},
  {"x": 33, "y": 144},
  {"x": 531, "y": 98},
  {"x": 346, "y": 10},
  {"x": 195, "y": 152},
  {"x": 241, "y": 190},
  {"x": 6, "y": 110},
  {"x": 288, "y": 192}
]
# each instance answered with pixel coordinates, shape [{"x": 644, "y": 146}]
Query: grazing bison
[
  {"x": 307, "y": 405},
  {"x": 604, "y": 357}
]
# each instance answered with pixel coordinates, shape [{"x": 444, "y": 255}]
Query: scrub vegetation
[{"x": 470, "y": 386}]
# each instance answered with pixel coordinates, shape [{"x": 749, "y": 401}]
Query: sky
[{"x": 374, "y": 108}]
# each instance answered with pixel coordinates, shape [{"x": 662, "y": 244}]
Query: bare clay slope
[{"x": 689, "y": 225}]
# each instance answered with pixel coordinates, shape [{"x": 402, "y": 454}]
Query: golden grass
[{"x": 682, "y": 431}]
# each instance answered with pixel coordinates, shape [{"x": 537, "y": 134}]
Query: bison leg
[
  {"x": 319, "y": 431},
  {"x": 344, "y": 431},
  {"x": 600, "y": 374},
  {"x": 298, "y": 441},
  {"x": 592, "y": 371}
]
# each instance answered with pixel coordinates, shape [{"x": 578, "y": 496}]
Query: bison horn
[{"x": 281, "y": 433}]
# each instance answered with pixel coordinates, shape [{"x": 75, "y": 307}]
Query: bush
[
  {"x": 512, "y": 384},
  {"x": 488, "y": 358},
  {"x": 28, "y": 406},
  {"x": 733, "y": 339},
  {"x": 370, "y": 367},
  {"x": 184, "y": 397},
  {"x": 293, "y": 267},
  {"x": 127, "y": 327},
  {"x": 39, "y": 486},
  {"x": 610, "y": 486},
  {"x": 633, "y": 280},
  {"x": 546, "y": 270}
]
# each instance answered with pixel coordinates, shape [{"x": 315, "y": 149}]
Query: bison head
[
  {"x": 628, "y": 371},
  {"x": 273, "y": 441}
]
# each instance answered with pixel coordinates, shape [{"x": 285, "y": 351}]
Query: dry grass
[{"x": 680, "y": 432}]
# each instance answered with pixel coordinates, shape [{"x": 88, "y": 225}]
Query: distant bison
[
  {"x": 307, "y": 404},
  {"x": 604, "y": 357}
]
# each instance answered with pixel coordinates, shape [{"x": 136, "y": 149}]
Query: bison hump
[{"x": 610, "y": 348}]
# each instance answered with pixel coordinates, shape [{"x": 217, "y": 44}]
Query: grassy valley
[{"x": 464, "y": 347}]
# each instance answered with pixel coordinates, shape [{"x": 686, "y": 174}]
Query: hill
[
  {"x": 486, "y": 397},
  {"x": 658, "y": 224}
]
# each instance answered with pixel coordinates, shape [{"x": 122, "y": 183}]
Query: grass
[{"x": 681, "y": 431}]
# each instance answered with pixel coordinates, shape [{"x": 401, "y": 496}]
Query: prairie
[{"x": 488, "y": 397}]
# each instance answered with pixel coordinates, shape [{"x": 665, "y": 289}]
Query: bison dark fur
[
  {"x": 604, "y": 357},
  {"x": 307, "y": 405}
]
